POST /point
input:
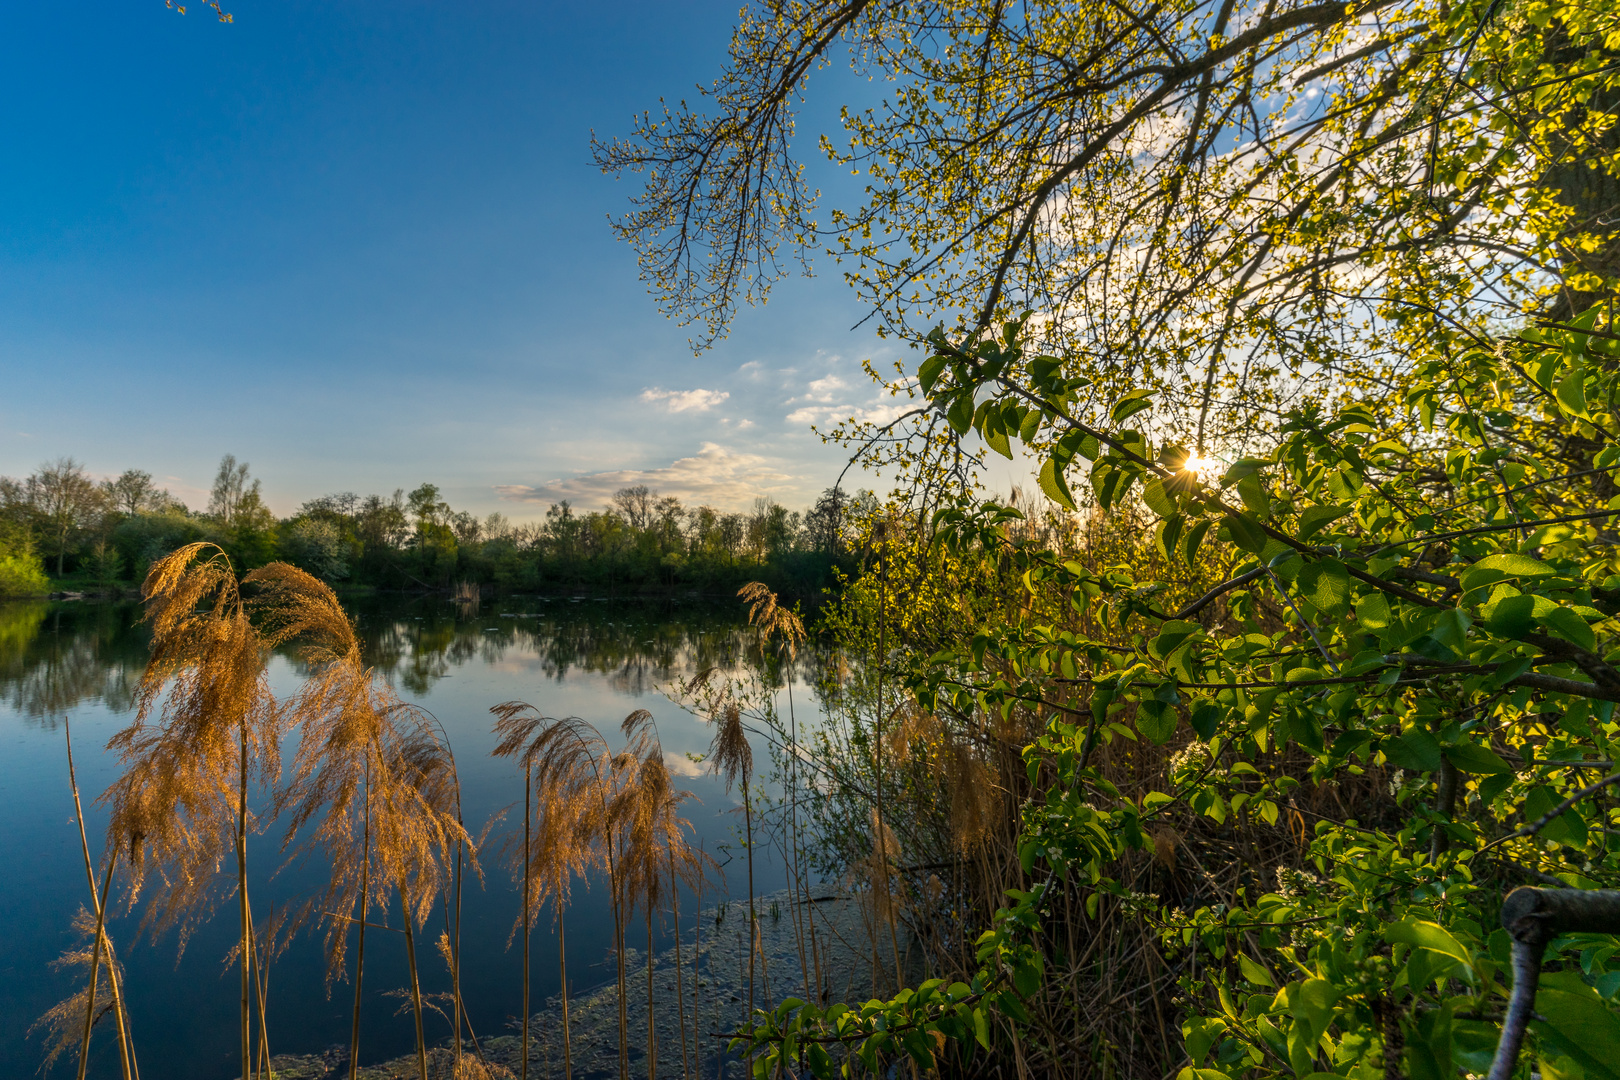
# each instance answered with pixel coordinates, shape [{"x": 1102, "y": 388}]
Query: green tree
[
  {"x": 230, "y": 488},
  {"x": 132, "y": 492},
  {"x": 1325, "y": 293},
  {"x": 67, "y": 502}
]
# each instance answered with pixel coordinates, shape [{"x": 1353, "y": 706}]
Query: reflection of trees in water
[
  {"x": 55, "y": 657},
  {"x": 636, "y": 651}
]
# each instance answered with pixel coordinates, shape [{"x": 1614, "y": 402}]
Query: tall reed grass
[{"x": 372, "y": 794}]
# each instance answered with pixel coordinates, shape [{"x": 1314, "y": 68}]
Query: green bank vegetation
[
  {"x": 110, "y": 533},
  {"x": 1275, "y": 736}
]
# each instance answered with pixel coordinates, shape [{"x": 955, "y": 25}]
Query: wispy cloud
[
  {"x": 716, "y": 475},
  {"x": 677, "y": 401}
]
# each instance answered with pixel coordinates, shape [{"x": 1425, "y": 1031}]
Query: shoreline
[{"x": 713, "y": 989}]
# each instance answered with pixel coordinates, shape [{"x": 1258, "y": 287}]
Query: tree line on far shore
[{"x": 61, "y": 523}]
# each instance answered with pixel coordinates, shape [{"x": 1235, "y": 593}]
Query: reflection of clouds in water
[
  {"x": 636, "y": 656},
  {"x": 681, "y": 765}
]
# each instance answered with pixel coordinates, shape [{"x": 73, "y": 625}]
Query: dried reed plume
[
  {"x": 773, "y": 622},
  {"x": 182, "y": 801},
  {"x": 658, "y": 857},
  {"x": 732, "y": 759},
  {"x": 371, "y": 773},
  {"x": 779, "y": 627},
  {"x": 569, "y": 765},
  {"x": 63, "y": 1024},
  {"x": 956, "y": 765}
]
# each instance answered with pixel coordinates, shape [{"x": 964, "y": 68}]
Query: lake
[{"x": 599, "y": 660}]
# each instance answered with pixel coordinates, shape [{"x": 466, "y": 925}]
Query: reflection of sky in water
[{"x": 595, "y": 660}]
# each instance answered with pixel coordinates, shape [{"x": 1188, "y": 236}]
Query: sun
[{"x": 1204, "y": 468}]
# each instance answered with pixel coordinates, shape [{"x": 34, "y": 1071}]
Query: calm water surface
[{"x": 598, "y": 660}]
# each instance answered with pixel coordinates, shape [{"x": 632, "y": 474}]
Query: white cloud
[
  {"x": 684, "y": 400},
  {"x": 825, "y": 389},
  {"x": 715, "y": 475},
  {"x": 880, "y": 412}
]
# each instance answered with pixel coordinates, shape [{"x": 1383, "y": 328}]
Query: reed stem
[
  {"x": 242, "y": 903},
  {"x": 95, "y": 961},
  {"x": 697, "y": 956},
  {"x": 652, "y": 1030},
  {"x": 416, "y": 987},
  {"x": 562, "y": 969},
  {"x": 618, "y": 945},
  {"x": 126, "y": 1049},
  {"x": 528, "y": 789},
  {"x": 262, "y": 984},
  {"x": 360, "y": 946},
  {"x": 753, "y": 916},
  {"x": 680, "y": 991}
]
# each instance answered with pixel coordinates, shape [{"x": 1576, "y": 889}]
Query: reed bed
[{"x": 903, "y": 815}]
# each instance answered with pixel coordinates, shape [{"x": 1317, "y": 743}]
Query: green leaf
[
  {"x": 1473, "y": 1044},
  {"x": 1569, "y": 626},
  {"x": 1031, "y": 425},
  {"x": 1194, "y": 538},
  {"x": 1578, "y": 1024},
  {"x": 1253, "y": 493},
  {"x": 1372, "y": 612},
  {"x": 1156, "y": 720},
  {"x": 1315, "y": 517},
  {"x": 1512, "y": 616},
  {"x": 1056, "y": 488},
  {"x": 1572, "y": 392},
  {"x": 1255, "y": 973},
  {"x": 1432, "y": 937},
  {"x": 1167, "y": 534},
  {"x": 1200, "y": 1034},
  {"x": 1476, "y": 759},
  {"x": 1246, "y": 534},
  {"x": 960, "y": 414},
  {"x": 1326, "y": 583},
  {"x": 1451, "y": 629},
  {"x": 928, "y": 374},
  {"x": 1566, "y": 828},
  {"x": 997, "y": 441},
  {"x": 981, "y": 1027},
  {"x": 1206, "y": 717},
  {"x": 1129, "y": 405},
  {"x": 1158, "y": 500},
  {"x": 1513, "y": 565},
  {"x": 1312, "y": 1005},
  {"x": 1414, "y": 750},
  {"x": 1171, "y": 635}
]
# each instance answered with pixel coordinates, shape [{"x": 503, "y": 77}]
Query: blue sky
[{"x": 361, "y": 245}]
